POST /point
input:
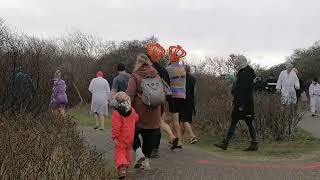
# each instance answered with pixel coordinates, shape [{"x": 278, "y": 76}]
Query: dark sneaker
[
  {"x": 96, "y": 127},
  {"x": 193, "y": 140},
  {"x": 155, "y": 153},
  {"x": 174, "y": 143},
  {"x": 222, "y": 145},
  {"x": 253, "y": 146}
]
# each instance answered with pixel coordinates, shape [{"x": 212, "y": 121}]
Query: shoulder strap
[{"x": 139, "y": 91}]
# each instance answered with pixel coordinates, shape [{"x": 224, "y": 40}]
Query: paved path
[
  {"x": 311, "y": 124},
  {"x": 196, "y": 164}
]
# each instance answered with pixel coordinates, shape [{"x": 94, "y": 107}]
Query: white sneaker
[
  {"x": 146, "y": 165},
  {"x": 139, "y": 158}
]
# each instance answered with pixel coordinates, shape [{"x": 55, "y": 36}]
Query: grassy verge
[
  {"x": 83, "y": 117},
  {"x": 303, "y": 146}
]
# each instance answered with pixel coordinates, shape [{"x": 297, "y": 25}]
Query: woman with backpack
[
  {"x": 148, "y": 107},
  {"x": 59, "y": 99}
]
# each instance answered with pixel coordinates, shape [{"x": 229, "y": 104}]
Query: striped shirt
[{"x": 177, "y": 76}]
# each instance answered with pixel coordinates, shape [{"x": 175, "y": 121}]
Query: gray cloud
[{"x": 266, "y": 30}]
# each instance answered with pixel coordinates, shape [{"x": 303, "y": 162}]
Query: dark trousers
[
  {"x": 148, "y": 139},
  {"x": 157, "y": 140},
  {"x": 236, "y": 117}
]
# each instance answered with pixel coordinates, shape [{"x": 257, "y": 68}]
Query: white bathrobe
[
  {"x": 314, "y": 91},
  {"x": 100, "y": 89},
  {"x": 288, "y": 83}
]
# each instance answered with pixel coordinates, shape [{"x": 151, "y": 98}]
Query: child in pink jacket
[{"x": 124, "y": 119}]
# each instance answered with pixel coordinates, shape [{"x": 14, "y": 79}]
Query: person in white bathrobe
[
  {"x": 314, "y": 91},
  {"x": 288, "y": 83},
  {"x": 100, "y": 89}
]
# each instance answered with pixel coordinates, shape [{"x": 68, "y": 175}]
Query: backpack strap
[{"x": 139, "y": 91}]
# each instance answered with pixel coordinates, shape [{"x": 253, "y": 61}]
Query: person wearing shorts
[
  {"x": 155, "y": 52},
  {"x": 188, "y": 110},
  {"x": 177, "y": 75}
]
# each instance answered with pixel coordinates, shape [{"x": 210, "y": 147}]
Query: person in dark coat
[
  {"x": 243, "y": 105},
  {"x": 23, "y": 90}
]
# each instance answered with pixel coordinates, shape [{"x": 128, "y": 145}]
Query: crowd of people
[
  {"x": 140, "y": 102},
  {"x": 151, "y": 90}
]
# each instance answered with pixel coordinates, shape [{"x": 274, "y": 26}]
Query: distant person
[
  {"x": 287, "y": 84},
  {"x": 124, "y": 120},
  {"x": 188, "y": 111},
  {"x": 243, "y": 105},
  {"x": 155, "y": 53},
  {"x": 177, "y": 76},
  {"x": 148, "y": 125},
  {"x": 23, "y": 90},
  {"x": 120, "y": 82},
  {"x": 100, "y": 89},
  {"x": 314, "y": 92},
  {"x": 59, "y": 99}
]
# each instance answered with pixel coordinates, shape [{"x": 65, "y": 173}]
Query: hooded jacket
[
  {"x": 59, "y": 95},
  {"x": 123, "y": 128},
  {"x": 242, "y": 90}
]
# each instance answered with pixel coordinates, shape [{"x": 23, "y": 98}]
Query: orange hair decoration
[
  {"x": 176, "y": 53},
  {"x": 155, "y": 51}
]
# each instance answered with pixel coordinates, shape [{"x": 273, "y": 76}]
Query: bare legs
[
  {"x": 177, "y": 128},
  {"x": 166, "y": 128},
  {"x": 99, "y": 121},
  {"x": 60, "y": 111},
  {"x": 187, "y": 128}
]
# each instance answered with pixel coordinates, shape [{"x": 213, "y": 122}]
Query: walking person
[
  {"x": 149, "y": 111},
  {"x": 314, "y": 92},
  {"x": 120, "y": 82},
  {"x": 100, "y": 89},
  {"x": 155, "y": 53},
  {"x": 287, "y": 84},
  {"x": 59, "y": 98},
  {"x": 124, "y": 119},
  {"x": 177, "y": 75},
  {"x": 23, "y": 90},
  {"x": 185, "y": 116},
  {"x": 243, "y": 105}
]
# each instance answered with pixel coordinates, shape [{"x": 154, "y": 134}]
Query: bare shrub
[
  {"x": 214, "y": 107},
  {"x": 78, "y": 56},
  {"x": 46, "y": 147},
  {"x": 213, "y": 104},
  {"x": 273, "y": 120}
]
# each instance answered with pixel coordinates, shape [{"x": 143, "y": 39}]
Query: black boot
[
  {"x": 253, "y": 146},
  {"x": 223, "y": 144}
]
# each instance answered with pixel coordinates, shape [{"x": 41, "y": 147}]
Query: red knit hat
[
  {"x": 176, "y": 53},
  {"x": 155, "y": 51},
  {"x": 99, "y": 74}
]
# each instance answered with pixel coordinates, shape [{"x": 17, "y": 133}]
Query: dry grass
[
  {"x": 47, "y": 147},
  {"x": 214, "y": 107}
]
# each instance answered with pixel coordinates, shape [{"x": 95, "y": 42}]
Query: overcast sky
[{"x": 266, "y": 31}]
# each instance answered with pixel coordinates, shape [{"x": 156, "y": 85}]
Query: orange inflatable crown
[
  {"x": 176, "y": 53},
  {"x": 155, "y": 51}
]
